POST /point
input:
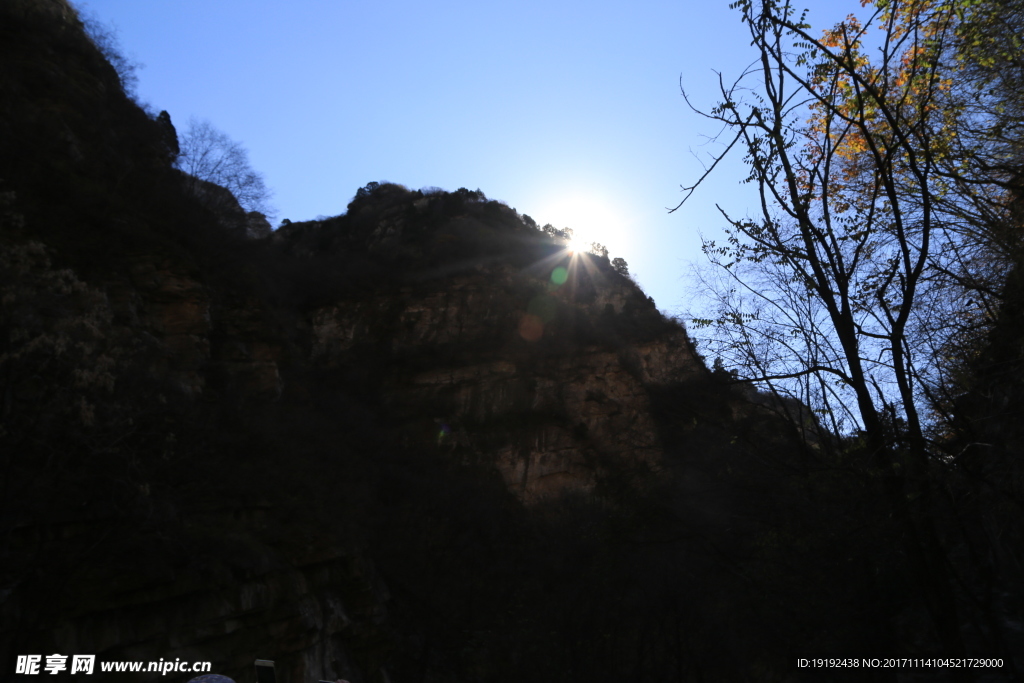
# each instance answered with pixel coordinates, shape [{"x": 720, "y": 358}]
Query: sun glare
[
  {"x": 589, "y": 217},
  {"x": 578, "y": 244}
]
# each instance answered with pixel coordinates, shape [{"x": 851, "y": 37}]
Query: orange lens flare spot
[{"x": 531, "y": 328}]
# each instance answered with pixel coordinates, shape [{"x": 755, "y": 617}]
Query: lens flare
[{"x": 530, "y": 327}]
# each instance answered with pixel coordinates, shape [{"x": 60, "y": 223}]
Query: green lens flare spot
[{"x": 559, "y": 275}]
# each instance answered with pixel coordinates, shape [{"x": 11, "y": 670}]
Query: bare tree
[
  {"x": 844, "y": 287},
  {"x": 209, "y": 156}
]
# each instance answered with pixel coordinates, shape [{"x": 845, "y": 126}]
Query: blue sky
[{"x": 569, "y": 111}]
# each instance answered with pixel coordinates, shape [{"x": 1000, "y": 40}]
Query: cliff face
[{"x": 470, "y": 367}]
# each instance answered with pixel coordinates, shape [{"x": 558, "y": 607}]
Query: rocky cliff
[{"x": 501, "y": 365}]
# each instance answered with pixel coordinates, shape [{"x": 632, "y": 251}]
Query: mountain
[{"x": 417, "y": 441}]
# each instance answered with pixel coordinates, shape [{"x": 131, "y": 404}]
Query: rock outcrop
[{"x": 550, "y": 419}]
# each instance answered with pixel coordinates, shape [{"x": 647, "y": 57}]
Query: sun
[
  {"x": 578, "y": 244},
  {"x": 589, "y": 216}
]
